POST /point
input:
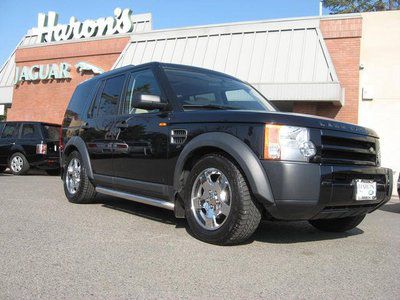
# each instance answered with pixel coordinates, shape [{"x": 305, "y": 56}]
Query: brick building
[{"x": 305, "y": 65}]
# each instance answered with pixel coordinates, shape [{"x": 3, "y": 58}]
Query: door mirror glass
[{"x": 148, "y": 102}]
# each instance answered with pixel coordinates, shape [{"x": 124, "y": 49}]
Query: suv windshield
[{"x": 205, "y": 90}]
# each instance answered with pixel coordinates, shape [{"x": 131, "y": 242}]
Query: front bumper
[{"x": 304, "y": 191}]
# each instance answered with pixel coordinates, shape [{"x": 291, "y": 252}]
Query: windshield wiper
[{"x": 208, "y": 106}]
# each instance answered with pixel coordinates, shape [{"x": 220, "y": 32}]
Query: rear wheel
[
  {"x": 19, "y": 165},
  {"x": 77, "y": 186},
  {"x": 218, "y": 204},
  {"x": 337, "y": 225}
]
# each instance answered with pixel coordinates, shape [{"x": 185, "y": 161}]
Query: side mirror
[{"x": 148, "y": 102}]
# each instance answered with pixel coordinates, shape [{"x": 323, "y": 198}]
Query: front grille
[{"x": 347, "y": 148}]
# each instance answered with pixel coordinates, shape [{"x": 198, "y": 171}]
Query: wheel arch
[
  {"x": 236, "y": 150},
  {"x": 76, "y": 143}
]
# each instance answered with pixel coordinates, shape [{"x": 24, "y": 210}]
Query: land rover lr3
[{"x": 212, "y": 149}]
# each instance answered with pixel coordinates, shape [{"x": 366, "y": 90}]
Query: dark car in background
[{"x": 25, "y": 145}]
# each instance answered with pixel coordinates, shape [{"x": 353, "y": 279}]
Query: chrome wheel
[
  {"x": 73, "y": 176},
  {"x": 211, "y": 199},
  {"x": 17, "y": 164}
]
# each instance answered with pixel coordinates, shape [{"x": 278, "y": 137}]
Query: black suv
[
  {"x": 29, "y": 144},
  {"x": 212, "y": 149}
]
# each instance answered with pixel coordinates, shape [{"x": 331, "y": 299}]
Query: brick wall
[
  {"x": 46, "y": 101},
  {"x": 342, "y": 38}
]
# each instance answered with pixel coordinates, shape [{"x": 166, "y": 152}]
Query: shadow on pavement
[
  {"x": 296, "y": 232},
  {"x": 391, "y": 207},
  {"x": 31, "y": 172},
  {"x": 141, "y": 210},
  {"x": 268, "y": 232}
]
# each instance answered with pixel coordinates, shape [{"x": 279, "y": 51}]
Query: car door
[
  {"x": 141, "y": 145},
  {"x": 7, "y": 141},
  {"x": 98, "y": 134}
]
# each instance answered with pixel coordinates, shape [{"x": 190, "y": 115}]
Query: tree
[{"x": 356, "y": 6}]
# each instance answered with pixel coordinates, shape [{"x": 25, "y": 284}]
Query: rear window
[{"x": 51, "y": 132}]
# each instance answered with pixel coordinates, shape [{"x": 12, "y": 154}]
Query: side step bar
[{"x": 137, "y": 198}]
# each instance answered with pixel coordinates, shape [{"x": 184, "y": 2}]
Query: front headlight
[{"x": 288, "y": 143}]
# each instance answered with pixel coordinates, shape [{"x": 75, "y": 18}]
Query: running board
[{"x": 137, "y": 198}]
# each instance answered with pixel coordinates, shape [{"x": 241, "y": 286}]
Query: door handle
[
  {"x": 85, "y": 125},
  {"x": 122, "y": 124}
]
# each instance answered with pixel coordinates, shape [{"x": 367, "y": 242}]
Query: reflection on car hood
[{"x": 284, "y": 118}]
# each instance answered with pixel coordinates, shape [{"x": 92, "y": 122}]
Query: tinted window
[
  {"x": 108, "y": 101},
  {"x": 29, "y": 131},
  {"x": 196, "y": 88},
  {"x": 82, "y": 95},
  {"x": 142, "y": 82},
  {"x": 51, "y": 132},
  {"x": 10, "y": 130}
]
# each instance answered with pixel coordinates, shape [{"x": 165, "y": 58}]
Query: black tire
[
  {"x": 25, "y": 164},
  {"x": 86, "y": 192},
  {"x": 337, "y": 225},
  {"x": 53, "y": 172},
  {"x": 244, "y": 216}
]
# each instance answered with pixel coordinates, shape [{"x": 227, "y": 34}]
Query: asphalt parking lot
[{"x": 50, "y": 249}]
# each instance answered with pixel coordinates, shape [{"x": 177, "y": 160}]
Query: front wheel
[
  {"x": 337, "y": 225},
  {"x": 19, "y": 165},
  {"x": 77, "y": 186},
  {"x": 218, "y": 204}
]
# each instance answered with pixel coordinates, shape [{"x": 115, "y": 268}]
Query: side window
[
  {"x": 10, "y": 130},
  {"x": 107, "y": 102},
  {"x": 143, "y": 82},
  {"x": 29, "y": 131}
]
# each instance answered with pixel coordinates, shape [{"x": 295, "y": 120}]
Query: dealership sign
[
  {"x": 52, "y": 71},
  {"x": 49, "y": 30}
]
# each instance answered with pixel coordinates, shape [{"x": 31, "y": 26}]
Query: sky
[{"x": 17, "y": 16}]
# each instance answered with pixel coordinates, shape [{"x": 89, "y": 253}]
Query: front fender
[
  {"x": 79, "y": 144},
  {"x": 243, "y": 155}
]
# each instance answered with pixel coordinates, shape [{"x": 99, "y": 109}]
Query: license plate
[{"x": 365, "y": 189}]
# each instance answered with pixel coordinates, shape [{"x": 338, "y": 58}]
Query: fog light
[{"x": 308, "y": 149}]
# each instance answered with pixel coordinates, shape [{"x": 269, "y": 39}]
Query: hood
[{"x": 283, "y": 118}]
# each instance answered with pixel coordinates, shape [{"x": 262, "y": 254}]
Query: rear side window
[
  {"x": 10, "y": 130},
  {"x": 82, "y": 95},
  {"x": 29, "y": 131},
  {"x": 51, "y": 132},
  {"x": 107, "y": 103}
]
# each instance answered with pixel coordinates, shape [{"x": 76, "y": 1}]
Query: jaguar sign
[{"x": 53, "y": 71}]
